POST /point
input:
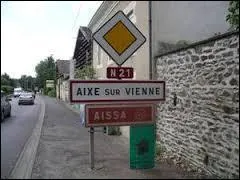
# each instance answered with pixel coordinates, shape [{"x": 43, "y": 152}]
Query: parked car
[
  {"x": 17, "y": 92},
  {"x": 5, "y": 106},
  {"x": 34, "y": 94},
  {"x": 26, "y": 98}
]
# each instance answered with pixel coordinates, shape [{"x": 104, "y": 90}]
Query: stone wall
[{"x": 199, "y": 121}]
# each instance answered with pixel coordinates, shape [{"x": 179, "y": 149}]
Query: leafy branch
[
  {"x": 233, "y": 14},
  {"x": 87, "y": 72}
]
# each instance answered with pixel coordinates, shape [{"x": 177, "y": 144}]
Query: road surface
[{"x": 15, "y": 132}]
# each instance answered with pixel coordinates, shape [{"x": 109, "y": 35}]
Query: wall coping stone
[{"x": 214, "y": 38}]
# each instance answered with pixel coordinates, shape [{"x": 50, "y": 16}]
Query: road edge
[{"x": 25, "y": 162}]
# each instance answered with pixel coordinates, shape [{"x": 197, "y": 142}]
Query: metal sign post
[
  {"x": 91, "y": 148},
  {"x": 119, "y": 38}
]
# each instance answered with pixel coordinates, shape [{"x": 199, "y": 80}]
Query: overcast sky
[{"x": 32, "y": 31}]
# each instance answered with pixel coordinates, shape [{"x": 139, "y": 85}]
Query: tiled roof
[
  {"x": 63, "y": 67},
  {"x": 86, "y": 32}
]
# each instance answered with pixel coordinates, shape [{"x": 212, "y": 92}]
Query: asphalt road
[{"x": 15, "y": 132}]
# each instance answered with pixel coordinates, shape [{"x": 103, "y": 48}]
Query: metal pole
[
  {"x": 151, "y": 59},
  {"x": 91, "y": 147}
]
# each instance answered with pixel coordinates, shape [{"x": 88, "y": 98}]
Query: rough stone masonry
[{"x": 199, "y": 121}]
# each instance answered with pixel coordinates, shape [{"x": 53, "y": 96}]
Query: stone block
[
  {"x": 195, "y": 58},
  {"x": 227, "y": 54},
  {"x": 233, "y": 82},
  {"x": 211, "y": 56},
  {"x": 219, "y": 50},
  {"x": 203, "y": 58},
  {"x": 234, "y": 45}
]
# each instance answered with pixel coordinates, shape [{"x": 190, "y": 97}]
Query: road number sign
[
  {"x": 120, "y": 72},
  {"x": 118, "y": 114}
]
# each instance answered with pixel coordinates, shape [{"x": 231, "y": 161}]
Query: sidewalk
[{"x": 63, "y": 151}]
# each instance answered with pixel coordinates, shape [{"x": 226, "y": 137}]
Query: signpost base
[{"x": 142, "y": 146}]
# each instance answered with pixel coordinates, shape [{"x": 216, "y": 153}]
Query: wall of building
[
  {"x": 192, "y": 21},
  {"x": 140, "y": 60},
  {"x": 62, "y": 89},
  {"x": 199, "y": 121}
]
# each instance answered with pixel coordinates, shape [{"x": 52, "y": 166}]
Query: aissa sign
[{"x": 118, "y": 114}]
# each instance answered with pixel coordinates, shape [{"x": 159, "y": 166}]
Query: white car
[
  {"x": 17, "y": 92},
  {"x": 26, "y": 98}
]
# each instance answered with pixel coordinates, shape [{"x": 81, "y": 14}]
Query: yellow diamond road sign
[
  {"x": 119, "y": 43},
  {"x": 119, "y": 38}
]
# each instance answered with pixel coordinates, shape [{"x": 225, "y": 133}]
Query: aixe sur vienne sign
[{"x": 84, "y": 91}]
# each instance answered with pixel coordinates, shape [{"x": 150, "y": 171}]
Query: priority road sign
[{"x": 119, "y": 38}]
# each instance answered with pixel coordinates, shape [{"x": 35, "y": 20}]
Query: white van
[{"x": 17, "y": 92}]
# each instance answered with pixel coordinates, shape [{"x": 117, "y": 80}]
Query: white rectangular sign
[
  {"x": 49, "y": 83},
  {"x": 86, "y": 91}
]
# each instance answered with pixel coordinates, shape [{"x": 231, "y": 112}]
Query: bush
[
  {"x": 52, "y": 93},
  {"x": 47, "y": 90},
  {"x": 7, "y": 89}
]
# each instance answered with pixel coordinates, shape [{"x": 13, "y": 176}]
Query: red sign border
[
  {"x": 119, "y": 124},
  {"x": 115, "y": 81},
  {"x": 120, "y": 68}
]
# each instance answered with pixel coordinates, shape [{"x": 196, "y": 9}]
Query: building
[
  {"x": 138, "y": 14},
  {"x": 186, "y": 18},
  {"x": 82, "y": 52},
  {"x": 176, "y": 22},
  {"x": 62, "y": 73},
  {"x": 202, "y": 78}
]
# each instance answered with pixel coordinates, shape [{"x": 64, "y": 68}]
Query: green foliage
[
  {"x": 233, "y": 14},
  {"x": 87, "y": 72},
  {"x": 52, "y": 92},
  {"x": 7, "y": 81},
  {"x": 45, "y": 70},
  {"x": 7, "y": 89},
  {"x": 27, "y": 82}
]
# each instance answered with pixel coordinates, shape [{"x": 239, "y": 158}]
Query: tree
[
  {"x": 46, "y": 70},
  {"x": 233, "y": 14},
  {"x": 7, "y": 84},
  {"x": 22, "y": 81},
  {"x": 15, "y": 83},
  {"x": 5, "y": 79}
]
